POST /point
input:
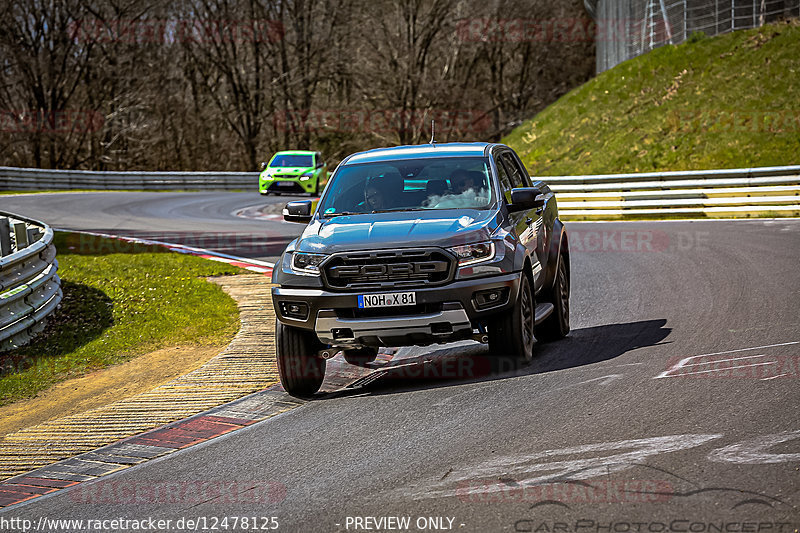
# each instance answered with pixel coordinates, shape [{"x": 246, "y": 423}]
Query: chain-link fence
[{"x": 628, "y": 28}]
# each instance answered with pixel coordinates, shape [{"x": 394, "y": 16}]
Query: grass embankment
[
  {"x": 730, "y": 101},
  {"x": 120, "y": 301}
]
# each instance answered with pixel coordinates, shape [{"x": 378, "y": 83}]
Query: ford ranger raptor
[{"x": 418, "y": 245}]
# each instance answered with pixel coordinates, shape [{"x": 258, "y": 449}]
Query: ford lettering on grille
[
  {"x": 396, "y": 269},
  {"x": 388, "y": 268}
]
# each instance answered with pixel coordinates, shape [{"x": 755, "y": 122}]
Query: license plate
[
  {"x": 392, "y": 299},
  {"x": 285, "y": 184}
]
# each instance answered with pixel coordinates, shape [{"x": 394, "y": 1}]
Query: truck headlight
[
  {"x": 308, "y": 263},
  {"x": 469, "y": 254}
]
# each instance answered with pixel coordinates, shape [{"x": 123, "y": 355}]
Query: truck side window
[
  {"x": 505, "y": 180},
  {"x": 518, "y": 177}
]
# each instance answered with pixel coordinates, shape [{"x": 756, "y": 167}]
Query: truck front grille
[{"x": 388, "y": 269}]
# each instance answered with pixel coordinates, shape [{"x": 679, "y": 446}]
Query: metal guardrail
[
  {"x": 30, "y": 288},
  {"x": 35, "y": 179},
  {"x": 745, "y": 192}
]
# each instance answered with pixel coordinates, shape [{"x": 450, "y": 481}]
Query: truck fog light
[
  {"x": 296, "y": 310},
  {"x": 490, "y": 298}
]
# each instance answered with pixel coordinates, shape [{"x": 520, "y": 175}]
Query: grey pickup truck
[{"x": 417, "y": 245}]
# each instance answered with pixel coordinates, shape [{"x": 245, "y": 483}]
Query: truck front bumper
[{"x": 441, "y": 314}]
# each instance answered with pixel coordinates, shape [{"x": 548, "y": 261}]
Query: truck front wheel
[
  {"x": 300, "y": 368},
  {"x": 511, "y": 334}
]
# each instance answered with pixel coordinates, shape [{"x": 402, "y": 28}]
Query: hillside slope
[{"x": 724, "y": 102}]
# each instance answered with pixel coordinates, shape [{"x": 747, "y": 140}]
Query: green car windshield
[
  {"x": 423, "y": 184},
  {"x": 292, "y": 160}
]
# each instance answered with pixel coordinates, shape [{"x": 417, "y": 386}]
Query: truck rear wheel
[
  {"x": 300, "y": 368},
  {"x": 511, "y": 334}
]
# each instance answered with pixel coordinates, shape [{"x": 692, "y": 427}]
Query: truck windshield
[
  {"x": 435, "y": 183},
  {"x": 290, "y": 160}
]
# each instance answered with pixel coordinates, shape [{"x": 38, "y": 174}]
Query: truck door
[{"x": 530, "y": 227}]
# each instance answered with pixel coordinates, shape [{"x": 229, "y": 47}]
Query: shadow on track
[{"x": 469, "y": 362}]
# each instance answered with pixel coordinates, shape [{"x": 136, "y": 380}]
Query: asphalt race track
[
  {"x": 204, "y": 220},
  {"x": 673, "y": 406}
]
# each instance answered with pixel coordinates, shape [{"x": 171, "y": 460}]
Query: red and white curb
[
  {"x": 168, "y": 439},
  {"x": 253, "y": 265}
]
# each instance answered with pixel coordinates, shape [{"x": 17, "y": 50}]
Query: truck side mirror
[
  {"x": 298, "y": 211},
  {"x": 525, "y": 198}
]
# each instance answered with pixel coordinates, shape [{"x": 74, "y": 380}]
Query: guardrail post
[
  {"x": 21, "y": 235},
  {"x": 5, "y": 237},
  {"x": 34, "y": 234}
]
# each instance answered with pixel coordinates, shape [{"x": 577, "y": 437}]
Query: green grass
[
  {"x": 729, "y": 101},
  {"x": 120, "y": 301}
]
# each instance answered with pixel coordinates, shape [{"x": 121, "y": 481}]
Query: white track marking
[
  {"x": 753, "y": 348},
  {"x": 755, "y": 451},
  {"x": 686, "y": 362},
  {"x": 539, "y": 467},
  {"x": 773, "y": 377},
  {"x": 724, "y": 360},
  {"x": 720, "y": 369},
  {"x": 604, "y": 380}
]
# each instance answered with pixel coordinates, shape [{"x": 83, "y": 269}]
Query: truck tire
[
  {"x": 300, "y": 368},
  {"x": 511, "y": 333},
  {"x": 556, "y": 326},
  {"x": 360, "y": 356}
]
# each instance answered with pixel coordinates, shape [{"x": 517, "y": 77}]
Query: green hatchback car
[{"x": 292, "y": 172}]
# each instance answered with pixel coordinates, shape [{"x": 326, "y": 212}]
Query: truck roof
[{"x": 417, "y": 151}]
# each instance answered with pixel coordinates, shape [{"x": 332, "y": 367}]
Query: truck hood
[{"x": 442, "y": 228}]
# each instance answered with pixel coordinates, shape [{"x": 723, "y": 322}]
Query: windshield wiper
[
  {"x": 399, "y": 209},
  {"x": 343, "y": 213}
]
